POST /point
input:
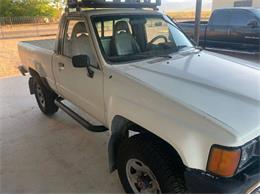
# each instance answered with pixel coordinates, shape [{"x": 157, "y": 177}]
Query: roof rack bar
[{"x": 114, "y": 3}]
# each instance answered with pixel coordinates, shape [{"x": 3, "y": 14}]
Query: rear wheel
[
  {"x": 45, "y": 98},
  {"x": 144, "y": 167}
]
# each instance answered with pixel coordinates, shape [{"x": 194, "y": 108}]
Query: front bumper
[{"x": 200, "y": 182}]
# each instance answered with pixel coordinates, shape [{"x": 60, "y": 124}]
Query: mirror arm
[{"x": 90, "y": 72}]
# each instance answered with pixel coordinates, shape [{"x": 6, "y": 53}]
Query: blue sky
[{"x": 179, "y": 5}]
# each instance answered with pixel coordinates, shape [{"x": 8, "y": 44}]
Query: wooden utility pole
[{"x": 197, "y": 21}]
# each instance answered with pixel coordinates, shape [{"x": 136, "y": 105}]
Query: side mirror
[
  {"x": 83, "y": 61},
  {"x": 252, "y": 23},
  {"x": 80, "y": 61}
]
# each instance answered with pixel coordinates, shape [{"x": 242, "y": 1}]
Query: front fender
[{"x": 189, "y": 133}]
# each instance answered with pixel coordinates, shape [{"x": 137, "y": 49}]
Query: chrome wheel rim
[
  {"x": 141, "y": 178},
  {"x": 40, "y": 95}
]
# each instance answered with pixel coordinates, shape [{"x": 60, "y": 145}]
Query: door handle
[
  {"x": 90, "y": 72},
  {"x": 61, "y": 66}
]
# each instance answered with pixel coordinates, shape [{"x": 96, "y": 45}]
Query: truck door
[
  {"x": 217, "y": 33},
  {"x": 245, "y": 31},
  {"x": 73, "y": 83}
]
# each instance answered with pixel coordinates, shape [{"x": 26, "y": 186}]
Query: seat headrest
[
  {"x": 122, "y": 26},
  {"x": 79, "y": 28}
]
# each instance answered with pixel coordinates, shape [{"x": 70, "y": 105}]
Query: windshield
[{"x": 125, "y": 38}]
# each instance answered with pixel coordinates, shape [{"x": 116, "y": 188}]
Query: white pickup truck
[{"x": 181, "y": 119}]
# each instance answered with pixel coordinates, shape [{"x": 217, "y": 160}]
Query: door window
[
  {"x": 240, "y": 18},
  {"x": 220, "y": 18},
  {"x": 67, "y": 41},
  {"x": 77, "y": 41}
]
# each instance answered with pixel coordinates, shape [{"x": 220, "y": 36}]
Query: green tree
[
  {"x": 27, "y": 8},
  {"x": 5, "y": 6}
]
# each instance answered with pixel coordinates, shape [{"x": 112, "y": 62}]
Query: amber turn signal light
[{"x": 223, "y": 161}]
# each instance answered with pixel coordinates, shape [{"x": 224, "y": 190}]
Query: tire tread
[{"x": 169, "y": 171}]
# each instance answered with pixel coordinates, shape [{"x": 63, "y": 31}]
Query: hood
[{"x": 224, "y": 90}]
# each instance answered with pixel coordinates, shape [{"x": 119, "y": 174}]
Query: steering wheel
[{"x": 157, "y": 38}]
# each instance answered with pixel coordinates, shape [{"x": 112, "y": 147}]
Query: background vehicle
[
  {"x": 231, "y": 29},
  {"x": 138, "y": 75}
]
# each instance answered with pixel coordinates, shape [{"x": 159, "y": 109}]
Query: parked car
[
  {"x": 181, "y": 119},
  {"x": 236, "y": 29}
]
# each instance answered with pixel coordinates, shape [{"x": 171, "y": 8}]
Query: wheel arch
[
  {"x": 35, "y": 75},
  {"x": 120, "y": 127}
]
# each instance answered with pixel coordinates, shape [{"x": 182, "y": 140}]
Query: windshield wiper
[
  {"x": 185, "y": 46},
  {"x": 180, "y": 47},
  {"x": 155, "y": 55}
]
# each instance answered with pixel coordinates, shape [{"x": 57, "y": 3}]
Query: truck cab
[
  {"x": 236, "y": 29},
  {"x": 230, "y": 29},
  {"x": 121, "y": 38}
]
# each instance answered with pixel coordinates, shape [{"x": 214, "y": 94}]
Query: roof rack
[{"x": 78, "y": 4}]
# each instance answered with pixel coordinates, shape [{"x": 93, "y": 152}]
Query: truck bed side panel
[{"x": 37, "y": 55}]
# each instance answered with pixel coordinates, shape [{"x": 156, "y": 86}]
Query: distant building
[{"x": 235, "y": 3}]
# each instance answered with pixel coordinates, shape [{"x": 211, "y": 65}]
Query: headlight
[
  {"x": 226, "y": 161},
  {"x": 247, "y": 153}
]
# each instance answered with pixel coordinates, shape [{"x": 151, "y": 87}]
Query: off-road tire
[
  {"x": 169, "y": 171},
  {"x": 46, "y": 95}
]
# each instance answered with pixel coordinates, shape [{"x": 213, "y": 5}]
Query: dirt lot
[{"x": 9, "y": 58}]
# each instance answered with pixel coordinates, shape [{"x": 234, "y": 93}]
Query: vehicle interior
[{"x": 126, "y": 38}]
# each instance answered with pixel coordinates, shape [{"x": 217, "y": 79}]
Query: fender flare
[
  {"x": 34, "y": 75},
  {"x": 119, "y": 129}
]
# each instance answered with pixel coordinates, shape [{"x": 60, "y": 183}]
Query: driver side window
[{"x": 77, "y": 41}]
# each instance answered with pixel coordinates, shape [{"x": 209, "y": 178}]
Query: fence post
[
  {"x": 11, "y": 23},
  {"x": 36, "y": 25},
  {"x": 2, "y": 33},
  {"x": 197, "y": 21}
]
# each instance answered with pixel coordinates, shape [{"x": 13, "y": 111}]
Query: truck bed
[
  {"x": 48, "y": 44},
  {"x": 38, "y": 55}
]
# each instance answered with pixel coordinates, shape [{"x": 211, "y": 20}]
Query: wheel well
[
  {"x": 122, "y": 129},
  {"x": 33, "y": 73},
  {"x": 36, "y": 75}
]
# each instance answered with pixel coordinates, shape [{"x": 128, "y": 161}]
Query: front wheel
[{"x": 144, "y": 167}]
